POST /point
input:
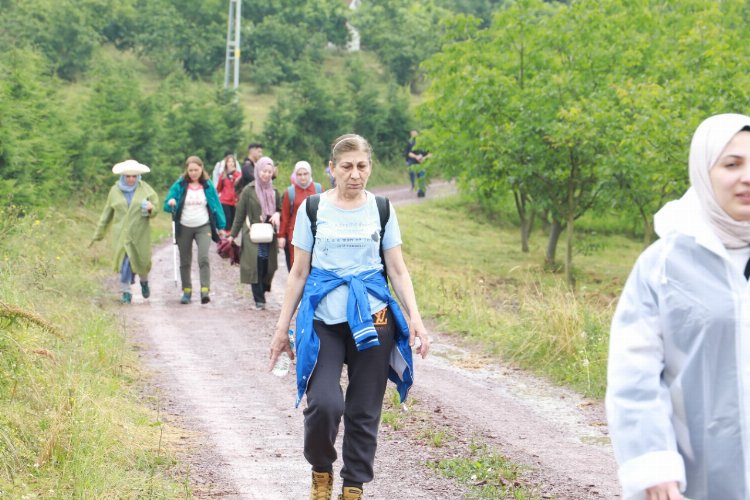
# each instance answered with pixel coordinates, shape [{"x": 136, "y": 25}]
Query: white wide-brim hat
[{"x": 130, "y": 167}]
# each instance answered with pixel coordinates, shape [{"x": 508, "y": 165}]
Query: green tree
[
  {"x": 401, "y": 33},
  {"x": 110, "y": 125},
  {"x": 305, "y": 119},
  {"x": 64, "y": 30},
  {"x": 576, "y": 107},
  {"x": 33, "y": 162},
  {"x": 397, "y": 121},
  {"x": 277, "y": 35}
]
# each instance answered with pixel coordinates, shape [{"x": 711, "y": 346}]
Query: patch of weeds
[
  {"x": 392, "y": 419},
  {"x": 487, "y": 474},
  {"x": 434, "y": 437},
  {"x": 394, "y": 413}
]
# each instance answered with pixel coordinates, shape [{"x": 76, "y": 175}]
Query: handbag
[{"x": 260, "y": 232}]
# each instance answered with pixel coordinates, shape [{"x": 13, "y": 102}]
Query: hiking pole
[{"x": 174, "y": 246}]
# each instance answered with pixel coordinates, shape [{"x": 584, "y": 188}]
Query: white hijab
[
  {"x": 709, "y": 140},
  {"x": 302, "y": 165}
]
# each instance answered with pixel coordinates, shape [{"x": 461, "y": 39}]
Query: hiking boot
[
  {"x": 145, "y": 290},
  {"x": 260, "y": 306},
  {"x": 187, "y": 293},
  {"x": 127, "y": 298},
  {"x": 351, "y": 493},
  {"x": 205, "y": 299},
  {"x": 322, "y": 486}
]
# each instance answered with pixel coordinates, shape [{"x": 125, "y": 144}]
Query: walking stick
[{"x": 174, "y": 246}]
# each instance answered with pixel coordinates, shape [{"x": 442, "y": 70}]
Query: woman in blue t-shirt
[{"x": 347, "y": 315}]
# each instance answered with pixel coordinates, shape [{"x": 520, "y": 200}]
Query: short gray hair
[{"x": 350, "y": 142}]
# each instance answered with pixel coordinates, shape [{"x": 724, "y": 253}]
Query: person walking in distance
[
  {"x": 129, "y": 210},
  {"x": 227, "y": 188},
  {"x": 219, "y": 167},
  {"x": 412, "y": 158},
  {"x": 302, "y": 187},
  {"x": 258, "y": 203},
  {"x": 347, "y": 315},
  {"x": 195, "y": 205},
  {"x": 254, "y": 153},
  {"x": 677, "y": 384}
]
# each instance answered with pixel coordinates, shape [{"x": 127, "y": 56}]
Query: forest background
[{"x": 557, "y": 120}]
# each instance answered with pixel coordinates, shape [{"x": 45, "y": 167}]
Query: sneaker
[
  {"x": 127, "y": 298},
  {"x": 145, "y": 290},
  {"x": 205, "y": 299},
  {"x": 420, "y": 194},
  {"x": 260, "y": 306},
  {"x": 187, "y": 293},
  {"x": 351, "y": 493},
  {"x": 322, "y": 486}
]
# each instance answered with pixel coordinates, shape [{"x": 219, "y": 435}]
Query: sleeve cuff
[{"x": 649, "y": 470}]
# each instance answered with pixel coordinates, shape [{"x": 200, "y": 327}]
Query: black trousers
[
  {"x": 229, "y": 211},
  {"x": 259, "y": 288},
  {"x": 367, "y": 375}
]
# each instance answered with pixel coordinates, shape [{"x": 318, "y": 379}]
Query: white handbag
[{"x": 260, "y": 232}]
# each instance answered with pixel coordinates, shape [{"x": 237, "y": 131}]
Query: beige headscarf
[{"x": 709, "y": 140}]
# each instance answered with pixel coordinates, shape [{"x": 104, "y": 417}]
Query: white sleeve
[{"x": 638, "y": 403}]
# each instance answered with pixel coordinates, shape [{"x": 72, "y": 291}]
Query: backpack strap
[
  {"x": 384, "y": 211},
  {"x": 311, "y": 207},
  {"x": 291, "y": 191}
]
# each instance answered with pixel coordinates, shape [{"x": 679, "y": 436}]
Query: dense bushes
[
  {"x": 320, "y": 107},
  {"x": 53, "y": 142}
]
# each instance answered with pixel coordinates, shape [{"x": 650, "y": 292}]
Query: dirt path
[{"x": 209, "y": 376}]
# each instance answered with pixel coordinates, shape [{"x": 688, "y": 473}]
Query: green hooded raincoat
[{"x": 131, "y": 233}]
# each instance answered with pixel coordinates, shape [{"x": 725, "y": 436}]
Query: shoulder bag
[{"x": 260, "y": 232}]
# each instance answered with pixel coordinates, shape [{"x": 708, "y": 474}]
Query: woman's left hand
[
  {"x": 149, "y": 206},
  {"x": 418, "y": 331}
]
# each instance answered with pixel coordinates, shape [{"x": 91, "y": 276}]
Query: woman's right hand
[
  {"x": 664, "y": 491},
  {"x": 279, "y": 344},
  {"x": 172, "y": 202}
]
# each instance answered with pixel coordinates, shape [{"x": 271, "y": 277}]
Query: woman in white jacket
[{"x": 678, "y": 393}]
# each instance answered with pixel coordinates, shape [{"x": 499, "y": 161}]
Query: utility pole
[{"x": 232, "y": 64}]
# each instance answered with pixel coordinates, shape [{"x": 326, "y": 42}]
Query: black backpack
[{"x": 384, "y": 211}]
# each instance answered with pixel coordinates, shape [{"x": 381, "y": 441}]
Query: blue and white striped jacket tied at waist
[{"x": 319, "y": 283}]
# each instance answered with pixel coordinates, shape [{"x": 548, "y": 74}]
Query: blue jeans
[{"x": 412, "y": 176}]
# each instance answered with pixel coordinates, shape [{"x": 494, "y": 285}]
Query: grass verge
[
  {"x": 471, "y": 276},
  {"x": 71, "y": 422}
]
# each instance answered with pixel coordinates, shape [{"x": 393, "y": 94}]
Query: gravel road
[{"x": 239, "y": 435}]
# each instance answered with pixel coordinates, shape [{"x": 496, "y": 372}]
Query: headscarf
[
  {"x": 264, "y": 190},
  {"x": 709, "y": 140},
  {"x": 302, "y": 165},
  {"x": 123, "y": 184},
  {"x": 128, "y": 191}
]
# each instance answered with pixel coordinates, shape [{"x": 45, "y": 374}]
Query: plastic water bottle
[{"x": 281, "y": 367}]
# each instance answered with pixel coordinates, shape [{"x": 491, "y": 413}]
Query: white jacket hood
[{"x": 687, "y": 216}]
